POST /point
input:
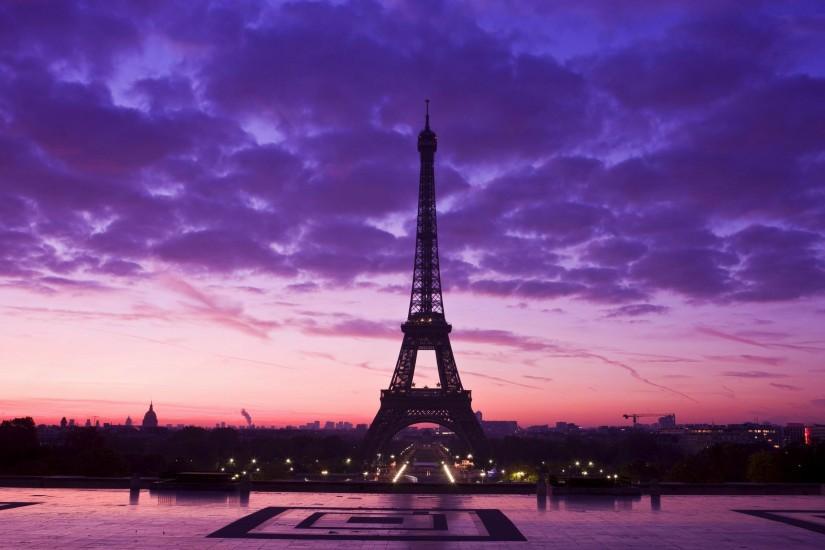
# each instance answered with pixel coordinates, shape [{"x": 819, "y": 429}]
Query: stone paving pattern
[{"x": 111, "y": 519}]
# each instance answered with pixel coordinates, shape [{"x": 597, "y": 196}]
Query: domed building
[{"x": 150, "y": 419}]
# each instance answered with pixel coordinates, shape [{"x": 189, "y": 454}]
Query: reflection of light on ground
[
  {"x": 398, "y": 474},
  {"x": 449, "y": 474}
]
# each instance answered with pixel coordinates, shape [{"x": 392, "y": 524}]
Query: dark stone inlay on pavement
[
  {"x": 375, "y": 519},
  {"x": 787, "y": 517},
  {"x": 497, "y": 526},
  {"x": 10, "y": 505}
]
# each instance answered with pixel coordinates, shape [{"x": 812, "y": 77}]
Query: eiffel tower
[{"x": 426, "y": 328}]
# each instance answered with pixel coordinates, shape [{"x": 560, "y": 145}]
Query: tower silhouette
[{"x": 426, "y": 328}]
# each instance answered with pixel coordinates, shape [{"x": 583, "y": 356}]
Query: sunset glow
[{"x": 214, "y": 208}]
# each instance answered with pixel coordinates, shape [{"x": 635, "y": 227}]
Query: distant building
[
  {"x": 566, "y": 427},
  {"x": 538, "y": 429},
  {"x": 667, "y": 422},
  {"x": 816, "y": 433},
  {"x": 150, "y": 419},
  {"x": 329, "y": 425},
  {"x": 499, "y": 428},
  {"x": 64, "y": 422},
  {"x": 128, "y": 422},
  {"x": 361, "y": 427},
  {"x": 794, "y": 433},
  {"x": 695, "y": 437}
]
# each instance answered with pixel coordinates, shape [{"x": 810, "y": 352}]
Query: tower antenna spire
[{"x": 427, "y": 116}]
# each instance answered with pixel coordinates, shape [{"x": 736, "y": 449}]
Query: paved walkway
[{"x": 72, "y": 518}]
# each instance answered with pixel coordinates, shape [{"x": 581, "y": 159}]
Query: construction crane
[{"x": 637, "y": 416}]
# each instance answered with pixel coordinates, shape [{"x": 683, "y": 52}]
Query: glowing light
[
  {"x": 584, "y": 473},
  {"x": 348, "y": 460},
  {"x": 577, "y": 463},
  {"x": 254, "y": 461},
  {"x": 289, "y": 461},
  {"x": 449, "y": 474},
  {"x": 398, "y": 474},
  {"x": 324, "y": 472},
  {"x": 231, "y": 460}
]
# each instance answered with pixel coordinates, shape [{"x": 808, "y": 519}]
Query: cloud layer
[{"x": 226, "y": 138}]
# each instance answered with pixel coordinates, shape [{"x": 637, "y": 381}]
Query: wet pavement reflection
[{"x": 130, "y": 518}]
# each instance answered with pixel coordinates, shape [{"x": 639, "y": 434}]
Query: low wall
[
  {"x": 80, "y": 482},
  {"x": 735, "y": 489}
]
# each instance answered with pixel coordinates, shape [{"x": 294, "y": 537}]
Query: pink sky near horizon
[
  {"x": 202, "y": 351},
  {"x": 211, "y": 206}
]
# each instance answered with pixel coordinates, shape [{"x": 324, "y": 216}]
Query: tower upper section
[{"x": 426, "y": 303}]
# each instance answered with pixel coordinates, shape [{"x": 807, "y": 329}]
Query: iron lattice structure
[{"x": 426, "y": 328}]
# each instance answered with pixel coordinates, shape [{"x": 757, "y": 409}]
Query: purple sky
[{"x": 210, "y": 204}]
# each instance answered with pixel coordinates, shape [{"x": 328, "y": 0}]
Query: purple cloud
[
  {"x": 683, "y": 161},
  {"x": 787, "y": 387},
  {"x": 636, "y": 310},
  {"x": 753, "y": 374}
]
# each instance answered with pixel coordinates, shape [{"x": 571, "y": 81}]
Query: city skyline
[{"x": 620, "y": 230}]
